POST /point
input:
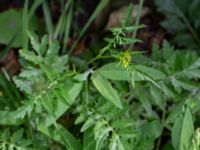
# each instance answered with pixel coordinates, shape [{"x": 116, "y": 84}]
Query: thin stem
[{"x": 99, "y": 57}]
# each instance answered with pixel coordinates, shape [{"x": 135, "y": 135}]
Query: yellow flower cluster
[{"x": 125, "y": 58}]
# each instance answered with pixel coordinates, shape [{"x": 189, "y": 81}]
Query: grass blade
[
  {"x": 34, "y": 6},
  {"x": 25, "y": 20},
  {"x": 137, "y": 19},
  {"x": 48, "y": 19},
  {"x": 61, "y": 19},
  {"x": 67, "y": 29},
  {"x": 98, "y": 9}
]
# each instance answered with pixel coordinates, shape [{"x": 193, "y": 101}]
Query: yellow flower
[{"x": 125, "y": 58}]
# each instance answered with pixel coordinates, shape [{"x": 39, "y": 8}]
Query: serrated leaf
[
  {"x": 23, "y": 85},
  {"x": 90, "y": 122},
  {"x": 30, "y": 56},
  {"x": 34, "y": 42},
  {"x": 53, "y": 48}
]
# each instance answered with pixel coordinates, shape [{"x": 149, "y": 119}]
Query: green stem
[{"x": 99, "y": 57}]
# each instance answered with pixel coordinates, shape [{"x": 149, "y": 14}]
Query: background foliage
[{"x": 113, "y": 98}]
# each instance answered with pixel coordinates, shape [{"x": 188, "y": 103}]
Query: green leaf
[
  {"x": 139, "y": 76},
  {"x": 183, "y": 131},
  {"x": 30, "y": 56},
  {"x": 106, "y": 90},
  {"x": 9, "y": 118},
  {"x": 53, "y": 48},
  {"x": 9, "y": 26},
  {"x": 115, "y": 143},
  {"x": 43, "y": 45},
  {"x": 88, "y": 141},
  {"x": 90, "y": 122},
  {"x": 61, "y": 135},
  {"x": 187, "y": 131},
  {"x": 114, "y": 71},
  {"x": 151, "y": 72},
  {"x": 23, "y": 85},
  {"x": 176, "y": 131},
  {"x": 101, "y": 132},
  {"x": 34, "y": 42},
  {"x": 72, "y": 92},
  {"x": 154, "y": 129},
  {"x": 126, "y": 41},
  {"x": 157, "y": 97}
]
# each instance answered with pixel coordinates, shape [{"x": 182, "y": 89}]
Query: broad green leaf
[
  {"x": 187, "y": 131},
  {"x": 114, "y": 71},
  {"x": 176, "y": 131},
  {"x": 11, "y": 26},
  {"x": 106, "y": 90},
  {"x": 183, "y": 131}
]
